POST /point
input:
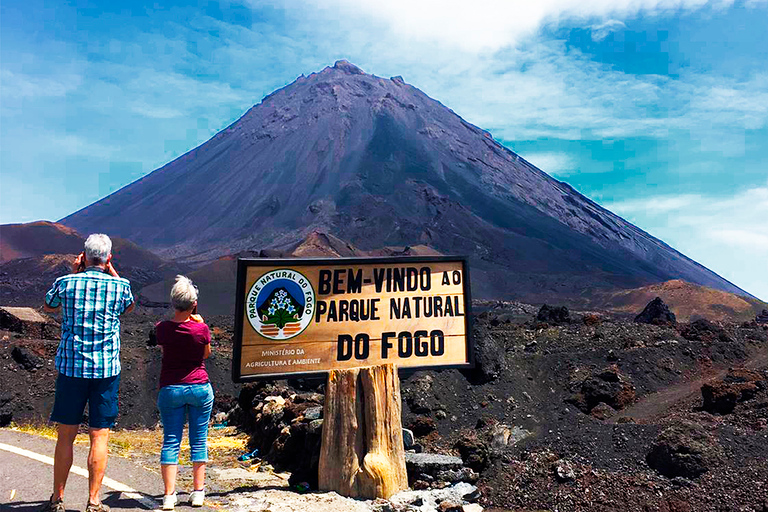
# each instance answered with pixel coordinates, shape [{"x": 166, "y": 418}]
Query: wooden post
[{"x": 362, "y": 454}]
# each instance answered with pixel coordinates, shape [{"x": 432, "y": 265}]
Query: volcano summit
[{"x": 376, "y": 162}]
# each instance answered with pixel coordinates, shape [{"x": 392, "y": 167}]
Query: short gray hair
[
  {"x": 98, "y": 247},
  {"x": 183, "y": 293}
]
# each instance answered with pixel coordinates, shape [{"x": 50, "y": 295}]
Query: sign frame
[{"x": 242, "y": 269}]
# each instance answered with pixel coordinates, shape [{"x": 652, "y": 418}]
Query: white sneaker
[
  {"x": 169, "y": 501},
  {"x": 196, "y": 498}
]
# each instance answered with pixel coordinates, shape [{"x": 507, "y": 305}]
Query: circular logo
[{"x": 280, "y": 304}]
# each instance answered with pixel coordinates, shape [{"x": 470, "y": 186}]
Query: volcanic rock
[
  {"x": 474, "y": 452},
  {"x": 607, "y": 387},
  {"x": 564, "y": 471},
  {"x": 426, "y": 466},
  {"x": 704, "y": 330},
  {"x": 422, "y": 425},
  {"x": 553, "y": 315},
  {"x": 490, "y": 356},
  {"x": 6, "y": 415},
  {"x": 657, "y": 313},
  {"x": 280, "y": 429},
  {"x": 738, "y": 385},
  {"x": 26, "y": 358},
  {"x": 27, "y": 321},
  {"x": 450, "y": 506},
  {"x": 762, "y": 318},
  {"x": 684, "y": 449},
  {"x": 602, "y": 411}
]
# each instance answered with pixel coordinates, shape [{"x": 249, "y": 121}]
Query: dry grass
[{"x": 224, "y": 445}]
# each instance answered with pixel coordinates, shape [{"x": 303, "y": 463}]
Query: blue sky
[{"x": 657, "y": 109}]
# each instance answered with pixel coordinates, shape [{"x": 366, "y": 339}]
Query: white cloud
[
  {"x": 726, "y": 234},
  {"x": 485, "y": 25},
  {"x": 16, "y": 86},
  {"x": 603, "y": 30},
  {"x": 655, "y": 205},
  {"x": 70, "y": 145},
  {"x": 555, "y": 164},
  {"x": 155, "y": 111}
]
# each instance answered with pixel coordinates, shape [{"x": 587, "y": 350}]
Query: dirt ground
[
  {"x": 536, "y": 373},
  {"x": 534, "y": 380}
]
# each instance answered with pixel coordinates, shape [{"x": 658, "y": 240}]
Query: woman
[{"x": 184, "y": 389}]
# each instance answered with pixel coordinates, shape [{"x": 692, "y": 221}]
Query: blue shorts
[{"x": 72, "y": 393}]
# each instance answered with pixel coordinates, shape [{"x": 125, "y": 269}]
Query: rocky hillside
[
  {"x": 39, "y": 252},
  {"x": 687, "y": 301},
  {"x": 376, "y": 163},
  {"x": 37, "y": 238}
]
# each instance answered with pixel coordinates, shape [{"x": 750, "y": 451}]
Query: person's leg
[
  {"x": 68, "y": 406},
  {"x": 62, "y": 459},
  {"x": 97, "y": 463},
  {"x": 200, "y": 408},
  {"x": 173, "y": 417},
  {"x": 169, "y": 477},
  {"x": 102, "y": 412}
]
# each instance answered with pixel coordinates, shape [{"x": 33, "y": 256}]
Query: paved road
[{"x": 25, "y": 482}]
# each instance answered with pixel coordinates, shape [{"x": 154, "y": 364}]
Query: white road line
[{"x": 129, "y": 492}]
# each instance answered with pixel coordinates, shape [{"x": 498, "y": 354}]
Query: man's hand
[
  {"x": 110, "y": 269},
  {"x": 79, "y": 264}
]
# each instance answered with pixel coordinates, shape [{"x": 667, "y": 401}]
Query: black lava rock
[
  {"x": 684, "y": 449},
  {"x": 26, "y": 358},
  {"x": 657, "y": 313},
  {"x": 554, "y": 315}
]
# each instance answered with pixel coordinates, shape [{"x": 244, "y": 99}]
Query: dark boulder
[
  {"x": 474, "y": 452},
  {"x": 25, "y": 358},
  {"x": 684, "y": 449},
  {"x": 608, "y": 387},
  {"x": 490, "y": 356},
  {"x": 422, "y": 426},
  {"x": 704, "y": 330},
  {"x": 6, "y": 414},
  {"x": 602, "y": 411},
  {"x": 656, "y": 312},
  {"x": 737, "y": 386},
  {"x": 553, "y": 315},
  {"x": 762, "y": 318}
]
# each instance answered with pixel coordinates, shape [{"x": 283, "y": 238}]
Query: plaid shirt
[{"x": 92, "y": 302}]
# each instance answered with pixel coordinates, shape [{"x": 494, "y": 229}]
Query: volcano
[{"x": 377, "y": 163}]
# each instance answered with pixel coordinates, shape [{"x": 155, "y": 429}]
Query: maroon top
[{"x": 183, "y": 347}]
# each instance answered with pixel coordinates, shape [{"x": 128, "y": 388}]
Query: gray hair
[
  {"x": 98, "y": 247},
  {"x": 183, "y": 293}
]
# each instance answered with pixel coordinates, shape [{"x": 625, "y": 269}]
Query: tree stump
[{"x": 362, "y": 454}]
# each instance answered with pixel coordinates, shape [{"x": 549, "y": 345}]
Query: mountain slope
[
  {"x": 36, "y": 239},
  {"x": 378, "y": 163},
  {"x": 687, "y": 301}
]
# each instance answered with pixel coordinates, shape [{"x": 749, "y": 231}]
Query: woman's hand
[{"x": 196, "y": 318}]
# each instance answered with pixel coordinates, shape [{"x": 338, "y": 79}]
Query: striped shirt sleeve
[
  {"x": 127, "y": 299},
  {"x": 52, "y": 298}
]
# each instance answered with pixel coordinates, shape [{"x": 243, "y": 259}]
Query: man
[{"x": 92, "y": 298}]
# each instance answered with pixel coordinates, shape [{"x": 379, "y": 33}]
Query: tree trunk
[{"x": 362, "y": 454}]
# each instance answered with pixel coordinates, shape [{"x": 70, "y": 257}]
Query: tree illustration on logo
[{"x": 280, "y": 309}]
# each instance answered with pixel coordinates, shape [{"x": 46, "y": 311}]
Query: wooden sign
[{"x": 308, "y": 316}]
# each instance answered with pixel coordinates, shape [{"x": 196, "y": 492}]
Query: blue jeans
[{"x": 174, "y": 403}]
